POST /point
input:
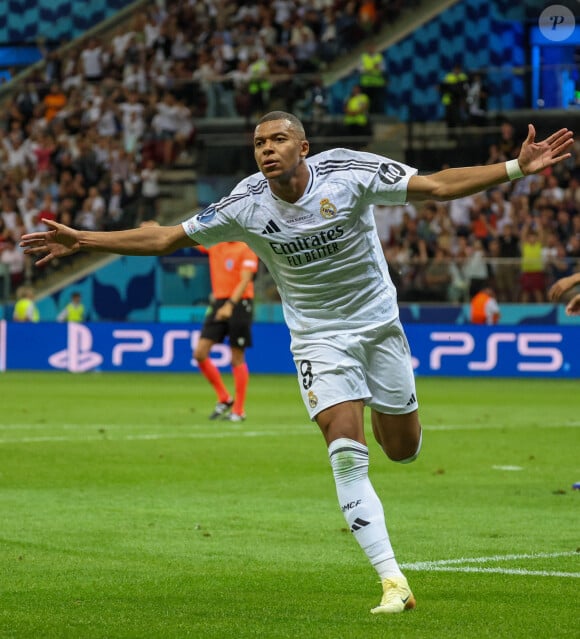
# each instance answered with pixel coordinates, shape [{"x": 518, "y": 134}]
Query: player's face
[{"x": 278, "y": 148}]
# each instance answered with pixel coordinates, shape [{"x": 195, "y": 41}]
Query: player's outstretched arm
[
  {"x": 562, "y": 285},
  {"x": 534, "y": 157},
  {"x": 573, "y": 306},
  {"x": 61, "y": 240}
]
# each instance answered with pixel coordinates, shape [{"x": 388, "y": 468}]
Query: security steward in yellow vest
[
  {"x": 453, "y": 93},
  {"x": 259, "y": 84},
  {"x": 373, "y": 78},
  {"x": 25, "y": 309},
  {"x": 356, "y": 112},
  {"x": 74, "y": 311}
]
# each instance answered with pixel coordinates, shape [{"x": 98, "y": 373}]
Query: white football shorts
[{"x": 372, "y": 364}]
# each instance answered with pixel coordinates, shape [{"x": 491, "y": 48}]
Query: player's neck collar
[{"x": 307, "y": 190}]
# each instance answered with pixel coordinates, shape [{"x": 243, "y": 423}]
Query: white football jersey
[{"x": 322, "y": 251}]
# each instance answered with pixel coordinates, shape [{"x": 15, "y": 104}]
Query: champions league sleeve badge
[{"x": 199, "y": 221}]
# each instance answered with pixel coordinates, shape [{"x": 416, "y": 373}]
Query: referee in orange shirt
[{"x": 232, "y": 267}]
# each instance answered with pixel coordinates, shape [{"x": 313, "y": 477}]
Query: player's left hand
[{"x": 536, "y": 156}]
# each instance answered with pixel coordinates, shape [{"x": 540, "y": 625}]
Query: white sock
[{"x": 360, "y": 505}]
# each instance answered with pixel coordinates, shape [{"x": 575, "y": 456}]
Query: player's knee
[
  {"x": 406, "y": 452},
  {"x": 415, "y": 450}
]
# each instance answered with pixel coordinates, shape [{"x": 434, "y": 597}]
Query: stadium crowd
[{"x": 83, "y": 140}]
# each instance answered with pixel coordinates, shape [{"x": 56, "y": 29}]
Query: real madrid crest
[
  {"x": 327, "y": 209},
  {"x": 312, "y": 399}
]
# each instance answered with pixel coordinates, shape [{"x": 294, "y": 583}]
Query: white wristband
[{"x": 513, "y": 169}]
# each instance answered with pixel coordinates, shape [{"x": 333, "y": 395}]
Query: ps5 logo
[
  {"x": 78, "y": 356},
  {"x": 533, "y": 354},
  {"x": 141, "y": 341}
]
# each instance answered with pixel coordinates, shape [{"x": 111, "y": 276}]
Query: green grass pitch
[{"x": 125, "y": 513}]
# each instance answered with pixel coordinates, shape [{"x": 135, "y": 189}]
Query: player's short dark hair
[{"x": 283, "y": 115}]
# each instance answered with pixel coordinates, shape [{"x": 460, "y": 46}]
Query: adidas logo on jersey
[{"x": 271, "y": 227}]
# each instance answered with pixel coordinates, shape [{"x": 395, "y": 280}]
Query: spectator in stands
[
  {"x": 217, "y": 88},
  {"x": 27, "y": 100},
  {"x": 508, "y": 266},
  {"x": 10, "y": 214},
  {"x": 166, "y": 124},
  {"x": 185, "y": 134},
  {"x": 87, "y": 163},
  {"x": 304, "y": 45},
  {"x": 18, "y": 153},
  {"x": 54, "y": 101},
  {"x": 507, "y": 145},
  {"x": 43, "y": 151},
  {"x": 563, "y": 224},
  {"x": 572, "y": 193},
  {"x": 93, "y": 61},
  {"x": 460, "y": 214},
  {"x": 476, "y": 100},
  {"x": 552, "y": 190},
  {"x": 48, "y": 206},
  {"x": 240, "y": 78},
  {"x": 368, "y": 17},
  {"x": 4, "y": 233},
  {"x": 532, "y": 279},
  {"x": 348, "y": 30},
  {"x": 150, "y": 191},
  {"x": 557, "y": 264},
  {"x": 482, "y": 224},
  {"x": 14, "y": 259},
  {"x": 116, "y": 211},
  {"x": 437, "y": 276},
  {"x": 328, "y": 46},
  {"x": 283, "y": 68},
  {"x": 500, "y": 208},
  {"x": 475, "y": 268},
  {"x": 494, "y": 154},
  {"x": 28, "y": 209},
  {"x": 30, "y": 181}
]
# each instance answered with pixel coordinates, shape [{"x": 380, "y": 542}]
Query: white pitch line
[
  {"x": 112, "y": 437},
  {"x": 289, "y": 430},
  {"x": 446, "y": 427},
  {"x": 502, "y": 571},
  {"x": 458, "y": 565}
]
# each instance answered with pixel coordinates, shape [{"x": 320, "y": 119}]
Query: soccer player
[
  {"x": 310, "y": 220},
  {"x": 232, "y": 268}
]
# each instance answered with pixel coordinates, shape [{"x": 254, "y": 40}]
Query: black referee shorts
[{"x": 238, "y": 329}]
